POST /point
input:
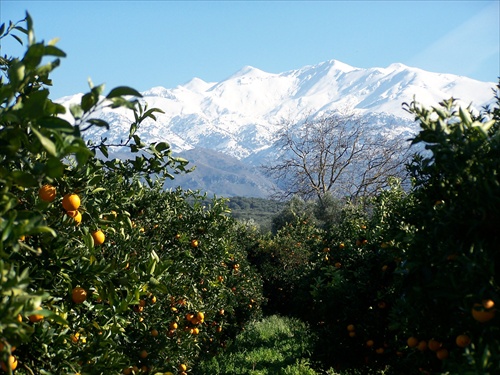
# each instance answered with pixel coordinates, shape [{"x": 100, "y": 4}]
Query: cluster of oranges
[
  {"x": 11, "y": 360},
  {"x": 433, "y": 345},
  {"x": 71, "y": 203},
  {"x": 481, "y": 312}
]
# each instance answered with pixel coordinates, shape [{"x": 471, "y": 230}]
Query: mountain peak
[
  {"x": 197, "y": 84},
  {"x": 249, "y": 71},
  {"x": 397, "y": 66},
  {"x": 339, "y": 65}
]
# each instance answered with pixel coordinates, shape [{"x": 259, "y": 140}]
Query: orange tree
[
  {"x": 286, "y": 262},
  {"x": 450, "y": 284},
  {"x": 353, "y": 288},
  {"x": 88, "y": 282},
  {"x": 411, "y": 287}
]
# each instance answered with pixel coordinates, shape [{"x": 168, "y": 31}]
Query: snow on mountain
[{"x": 240, "y": 115}]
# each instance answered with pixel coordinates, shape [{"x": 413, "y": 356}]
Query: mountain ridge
[{"x": 240, "y": 115}]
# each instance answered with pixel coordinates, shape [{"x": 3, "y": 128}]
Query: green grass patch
[{"x": 274, "y": 345}]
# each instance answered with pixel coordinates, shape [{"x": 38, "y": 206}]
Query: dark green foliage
[{"x": 257, "y": 210}]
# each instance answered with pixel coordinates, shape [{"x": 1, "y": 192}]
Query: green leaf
[
  {"x": 162, "y": 146},
  {"x": 97, "y": 90},
  {"x": 43, "y": 229},
  {"x": 119, "y": 101},
  {"x": 56, "y": 123},
  {"x": 88, "y": 101},
  {"x": 465, "y": 116},
  {"x": 54, "y": 51},
  {"x": 21, "y": 29},
  {"x": 98, "y": 122},
  {"x": 121, "y": 91},
  {"x": 76, "y": 110},
  {"x": 104, "y": 150},
  {"x": 24, "y": 179},
  {"x": 16, "y": 72},
  {"x": 17, "y": 38},
  {"x": 47, "y": 144},
  {"x": 54, "y": 167}
]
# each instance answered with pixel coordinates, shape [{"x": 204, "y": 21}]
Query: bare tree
[{"x": 334, "y": 154}]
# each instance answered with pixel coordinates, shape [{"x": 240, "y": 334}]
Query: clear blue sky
[{"x": 166, "y": 43}]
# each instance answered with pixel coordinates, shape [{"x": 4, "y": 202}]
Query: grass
[{"x": 274, "y": 345}]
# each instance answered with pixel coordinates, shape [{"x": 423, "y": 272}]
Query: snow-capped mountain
[{"x": 239, "y": 116}]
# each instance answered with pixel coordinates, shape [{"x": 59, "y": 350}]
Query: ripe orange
[
  {"x": 341, "y": 246},
  {"x": 74, "y": 338},
  {"x": 47, "y": 193},
  {"x": 338, "y": 265},
  {"x": 422, "y": 345},
  {"x": 72, "y": 213},
  {"x": 462, "y": 341},
  {"x": 153, "y": 299},
  {"x": 189, "y": 317},
  {"x": 142, "y": 303},
  {"x": 412, "y": 342},
  {"x": 79, "y": 295},
  {"x": 143, "y": 354},
  {"x": 352, "y": 334},
  {"x": 379, "y": 350},
  {"x": 442, "y": 353},
  {"x": 194, "y": 243},
  {"x": 195, "y": 331},
  {"x": 71, "y": 202},
  {"x": 182, "y": 367},
  {"x": 174, "y": 325},
  {"x": 36, "y": 317},
  {"x": 482, "y": 315},
  {"x": 12, "y": 363},
  {"x": 76, "y": 215},
  {"x": 488, "y": 303},
  {"x": 154, "y": 332},
  {"x": 434, "y": 345},
  {"x": 127, "y": 371},
  {"x": 370, "y": 343},
  {"x": 98, "y": 237},
  {"x": 350, "y": 327},
  {"x": 200, "y": 316}
]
